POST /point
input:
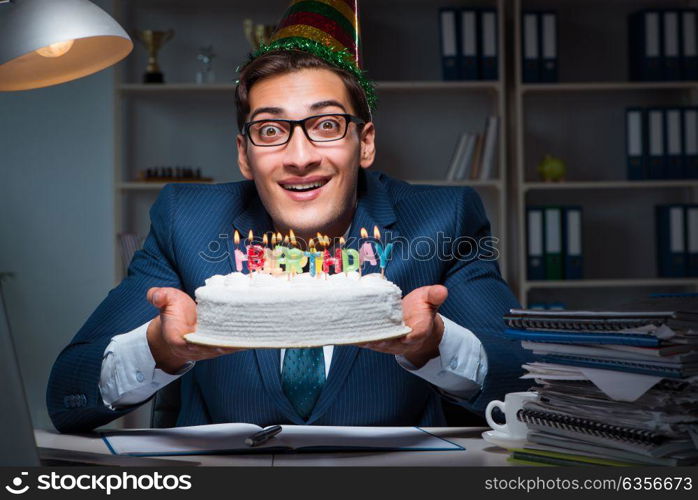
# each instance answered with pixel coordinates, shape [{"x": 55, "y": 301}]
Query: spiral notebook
[
  {"x": 636, "y": 440},
  {"x": 528, "y": 319}
]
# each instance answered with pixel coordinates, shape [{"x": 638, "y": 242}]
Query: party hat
[
  {"x": 333, "y": 23},
  {"x": 328, "y": 29}
]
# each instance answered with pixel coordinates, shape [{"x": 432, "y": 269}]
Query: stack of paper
[{"x": 614, "y": 387}]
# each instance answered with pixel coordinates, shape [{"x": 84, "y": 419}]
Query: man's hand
[
  {"x": 166, "y": 332},
  {"x": 419, "y": 309}
]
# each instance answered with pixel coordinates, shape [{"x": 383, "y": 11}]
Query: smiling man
[{"x": 306, "y": 141}]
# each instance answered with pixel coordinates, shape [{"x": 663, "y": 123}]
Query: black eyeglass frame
[{"x": 348, "y": 119}]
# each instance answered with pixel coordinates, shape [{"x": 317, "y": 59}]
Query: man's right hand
[{"x": 167, "y": 330}]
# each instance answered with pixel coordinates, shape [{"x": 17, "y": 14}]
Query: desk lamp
[{"x": 47, "y": 42}]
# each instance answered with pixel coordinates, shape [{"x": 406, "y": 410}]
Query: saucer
[{"x": 503, "y": 440}]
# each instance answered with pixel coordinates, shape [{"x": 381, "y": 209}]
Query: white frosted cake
[{"x": 303, "y": 311}]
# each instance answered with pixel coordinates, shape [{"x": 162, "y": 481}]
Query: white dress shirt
[{"x": 129, "y": 376}]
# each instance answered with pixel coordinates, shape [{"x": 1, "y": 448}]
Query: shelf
[
  {"x": 388, "y": 86},
  {"x": 593, "y": 283},
  {"x": 385, "y": 86},
  {"x": 171, "y": 88},
  {"x": 604, "y": 86},
  {"x": 652, "y": 184},
  {"x": 474, "y": 183},
  {"x": 151, "y": 186}
]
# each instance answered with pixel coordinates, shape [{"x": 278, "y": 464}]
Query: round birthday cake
[{"x": 282, "y": 311}]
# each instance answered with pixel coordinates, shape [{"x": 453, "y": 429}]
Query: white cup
[{"x": 513, "y": 402}]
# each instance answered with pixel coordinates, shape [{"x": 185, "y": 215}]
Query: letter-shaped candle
[
  {"x": 240, "y": 257},
  {"x": 383, "y": 253}
]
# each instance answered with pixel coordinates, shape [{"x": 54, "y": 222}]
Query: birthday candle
[
  {"x": 255, "y": 254},
  {"x": 339, "y": 254},
  {"x": 268, "y": 254},
  {"x": 294, "y": 258},
  {"x": 350, "y": 260},
  {"x": 383, "y": 253},
  {"x": 311, "y": 255},
  {"x": 328, "y": 260},
  {"x": 239, "y": 256},
  {"x": 366, "y": 251}
]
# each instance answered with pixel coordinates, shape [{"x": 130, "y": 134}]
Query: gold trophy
[
  {"x": 153, "y": 41},
  {"x": 257, "y": 34}
]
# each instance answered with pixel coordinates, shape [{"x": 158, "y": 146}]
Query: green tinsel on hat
[{"x": 341, "y": 59}]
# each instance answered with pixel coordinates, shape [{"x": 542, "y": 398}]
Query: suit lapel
[{"x": 269, "y": 363}]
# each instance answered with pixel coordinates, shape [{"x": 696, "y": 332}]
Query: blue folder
[
  {"x": 671, "y": 33},
  {"x": 673, "y": 144},
  {"x": 468, "y": 45},
  {"x": 645, "y": 45},
  {"x": 488, "y": 41},
  {"x": 530, "y": 47},
  {"x": 535, "y": 243},
  {"x": 671, "y": 241},
  {"x": 565, "y": 337},
  {"x": 572, "y": 242},
  {"x": 690, "y": 142},
  {"x": 547, "y": 29},
  {"x": 689, "y": 44},
  {"x": 449, "y": 43},
  {"x": 635, "y": 143}
]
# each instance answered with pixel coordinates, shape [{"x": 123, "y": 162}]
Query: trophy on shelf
[
  {"x": 205, "y": 57},
  {"x": 153, "y": 41},
  {"x": 257, "y": 34}
]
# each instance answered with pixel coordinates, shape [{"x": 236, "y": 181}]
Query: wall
[{"x": 56, "y": 217}]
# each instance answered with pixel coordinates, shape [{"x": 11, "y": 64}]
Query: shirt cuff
[
  {"x": 461, "y": 366},
  {"x": 128, "y": 373}
]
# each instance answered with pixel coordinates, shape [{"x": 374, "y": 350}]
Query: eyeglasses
[{"x": 318, "y": 128}]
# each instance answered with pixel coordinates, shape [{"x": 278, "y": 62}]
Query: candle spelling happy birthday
[
  {"x": 383, "y": 252},
  {"x": 366, "y": 251},
  {"x": 240, "y": 257}
]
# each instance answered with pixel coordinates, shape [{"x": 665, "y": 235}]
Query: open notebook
[{"x": 230, "y": 438}]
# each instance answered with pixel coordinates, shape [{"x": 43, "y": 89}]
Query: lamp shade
[{"x": 76, "y": 39}]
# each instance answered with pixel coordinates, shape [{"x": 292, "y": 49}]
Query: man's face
[{"x": 300, "y": 163}]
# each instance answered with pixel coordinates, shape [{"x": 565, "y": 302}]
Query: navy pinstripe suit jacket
[{"x": 189, "y": 241}]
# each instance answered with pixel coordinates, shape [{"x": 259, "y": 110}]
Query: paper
[
  {"x": 617, "y": 385},
  {"x": 230, "y": 438}
]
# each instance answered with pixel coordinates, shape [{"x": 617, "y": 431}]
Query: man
[{"x": 306, "y": 141}]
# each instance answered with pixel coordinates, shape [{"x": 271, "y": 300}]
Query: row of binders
[
  {"x": 554, "y": 242},
  {"x": 662, "y": 45},
  {"x": 539, "y": 46},
  {"x": 677, "y": 240},
  {"x": 469, "y": 44},
  {"x": 613, "y": 388},
  {"x": 476, "y": 154},
  {"x": 662, "y": 143}
]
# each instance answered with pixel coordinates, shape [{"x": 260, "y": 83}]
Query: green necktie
[{"x": 302, "y": 378}]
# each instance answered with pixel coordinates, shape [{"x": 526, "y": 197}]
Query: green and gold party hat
[{"x": 328, "y": 29}]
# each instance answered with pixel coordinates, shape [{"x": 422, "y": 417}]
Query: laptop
[{"x": 17, "y": 445}]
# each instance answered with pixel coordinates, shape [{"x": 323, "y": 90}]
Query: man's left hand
[{"x": 419, "y": 309}]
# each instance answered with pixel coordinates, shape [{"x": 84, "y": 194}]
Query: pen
[{"x": 263, "y": 436}]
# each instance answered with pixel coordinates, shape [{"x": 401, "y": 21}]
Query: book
[
  {"x": 457, "y": 156},
  {"x": 230, "y": 438},
  {"x": 489, "y": 153}
]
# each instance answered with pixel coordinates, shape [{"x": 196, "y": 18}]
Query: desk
[{"x": 477, "y": 452}]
